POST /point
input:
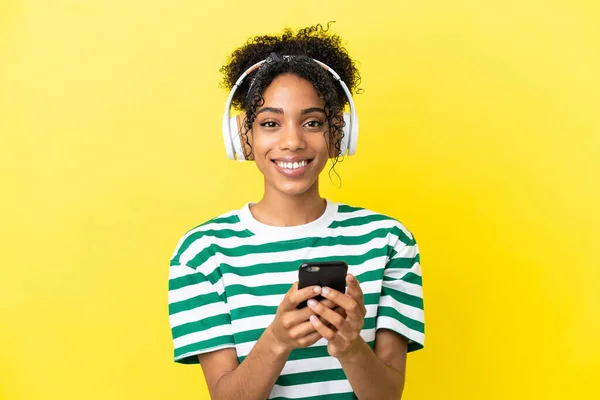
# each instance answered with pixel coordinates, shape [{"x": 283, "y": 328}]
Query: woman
[{"x": 233, "y": 291}]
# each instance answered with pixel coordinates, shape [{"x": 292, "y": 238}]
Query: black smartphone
[{"x": 329, "y": 273}]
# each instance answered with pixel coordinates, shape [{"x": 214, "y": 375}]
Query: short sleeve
[
  {"x": 198, "y": 315},
  {"x": 401, "y": 303}
]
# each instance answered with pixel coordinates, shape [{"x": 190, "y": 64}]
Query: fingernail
[
  {"x": 312, "y": 303},
  {"x": 313, "y": 318},
  {"x": 350, "y": 278},
  {"x": 317, "y": 289},
  {"x": 325, "y": 291}
]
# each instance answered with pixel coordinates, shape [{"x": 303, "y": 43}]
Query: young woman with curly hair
[{"x": 233, "y": 290}]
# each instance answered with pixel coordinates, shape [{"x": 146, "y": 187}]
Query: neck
[{"x": 279, "y": 209}]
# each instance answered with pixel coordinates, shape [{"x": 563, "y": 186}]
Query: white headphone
[{"x": 231, "y": 134}]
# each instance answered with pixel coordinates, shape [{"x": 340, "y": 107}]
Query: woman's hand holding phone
[
  {"x": 291, "y": 327},
  {"x": 344, "y": 333}
]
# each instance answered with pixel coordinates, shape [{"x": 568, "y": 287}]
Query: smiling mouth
[{"x": 292, "y": 165}]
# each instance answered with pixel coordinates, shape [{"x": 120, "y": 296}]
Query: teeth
[{"x": 289, "y": 165}]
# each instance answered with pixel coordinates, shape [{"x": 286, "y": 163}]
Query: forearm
[
  {"x": 370, "y": 377},
  {"x": 255, "y": 377}
]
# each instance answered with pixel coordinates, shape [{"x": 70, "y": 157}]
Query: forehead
[{"x": 291, "y": 90}]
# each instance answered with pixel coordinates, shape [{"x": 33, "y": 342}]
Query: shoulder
[
  {"x": 367, "y": 218},
  {"x": 208, "y": 234}
]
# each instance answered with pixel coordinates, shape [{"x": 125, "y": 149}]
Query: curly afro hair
[{"x": 308, "y": 43}]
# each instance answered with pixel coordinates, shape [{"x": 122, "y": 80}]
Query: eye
[
  {"x": 314, "y": 124},
  {"x": 268, "y": 124}
]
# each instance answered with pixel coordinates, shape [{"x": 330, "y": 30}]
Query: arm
[
  {"x": 375, "y": 374},
  {"x": 379, "y": 374},
  {"x": 227, "y": 379},
  {"x": 255, "y": 377}
]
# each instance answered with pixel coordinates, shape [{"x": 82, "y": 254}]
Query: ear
[{"x": 244, "y": 137}]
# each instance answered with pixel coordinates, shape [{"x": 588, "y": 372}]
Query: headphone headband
[{"x": 232, "y": 142}]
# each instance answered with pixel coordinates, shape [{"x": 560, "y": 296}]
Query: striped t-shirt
[{"x": 228, "y": 275}]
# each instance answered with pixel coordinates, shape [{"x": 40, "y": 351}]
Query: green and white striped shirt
[{"x": 228, "y": 275}]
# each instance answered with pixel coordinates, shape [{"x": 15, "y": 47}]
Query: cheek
[
  {"x": 319, "y": 143},
  {"x": 260, "y": 147}
]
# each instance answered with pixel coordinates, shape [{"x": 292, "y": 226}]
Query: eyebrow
[
  {"x": 280, "y": 110},
  {"x": 313, "y": 109}
]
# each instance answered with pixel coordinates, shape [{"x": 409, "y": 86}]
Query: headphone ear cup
[
  {"x": 353, "y": 137},
  {"x": 229, "y": 131},
  {"x": 346, "y": 134},
  {"x": 235, "y": 127}
]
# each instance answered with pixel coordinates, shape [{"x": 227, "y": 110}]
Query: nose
[{"x": 292, "y": 138}]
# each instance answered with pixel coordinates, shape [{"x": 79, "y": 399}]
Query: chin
[{"x": 294, "y": 188}]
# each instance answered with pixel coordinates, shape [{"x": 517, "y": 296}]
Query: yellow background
[{"x": 487, "y": 113}]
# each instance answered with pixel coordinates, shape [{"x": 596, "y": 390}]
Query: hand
[
  {"x": 291, "y": 327},
  {"x": 344, "y": 337},
  {"x": 334, "y": 307}
]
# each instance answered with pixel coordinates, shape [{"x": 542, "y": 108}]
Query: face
[{"x": 288, "y": 136}]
